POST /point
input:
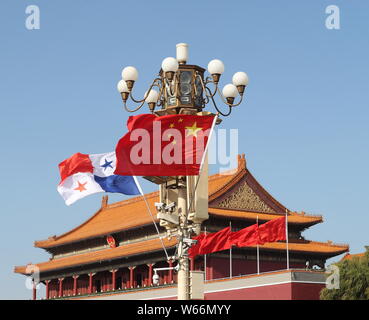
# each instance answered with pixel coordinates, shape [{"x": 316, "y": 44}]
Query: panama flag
[{"x": 83, "y": 174}]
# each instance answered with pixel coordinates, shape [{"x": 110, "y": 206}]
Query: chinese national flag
[
  {"x": 171, "y": 145},
  {"x": 213, "y": 242},
  {"x": 246, "y": 237},
  {"x": 273, "y": 230}
]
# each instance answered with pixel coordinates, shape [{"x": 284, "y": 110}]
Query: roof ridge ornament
[
  {"x": 104, "y": 201},
  {"x": 241, "y": 161}
]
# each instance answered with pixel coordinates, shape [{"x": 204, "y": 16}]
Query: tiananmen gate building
[{"x": 112, "y": 255}]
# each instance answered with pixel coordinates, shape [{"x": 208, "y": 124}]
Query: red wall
[
  {"x": 306, "y": 291},
  {"x": 285, "y": 291},
  {"x": 273, "y": 292}
]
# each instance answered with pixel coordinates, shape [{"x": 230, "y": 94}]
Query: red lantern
[{"x": 111, "y": 241}]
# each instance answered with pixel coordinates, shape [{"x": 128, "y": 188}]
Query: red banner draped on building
[
  {"x": 246, "y": 237},
  {"x": 273, "y": 230},
  {"x": 212, "y": 242}
]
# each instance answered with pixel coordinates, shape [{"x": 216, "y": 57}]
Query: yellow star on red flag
[{"x": 192, "y": 131}]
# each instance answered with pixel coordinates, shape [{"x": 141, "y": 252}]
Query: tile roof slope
[
  {"x": 349, "y": 256},
  {"x": 293, "y": 218},
  {"x": 132, "y": 213},
  {"x": 328, "y": 249},
  {"x": 100, "y": 255}
]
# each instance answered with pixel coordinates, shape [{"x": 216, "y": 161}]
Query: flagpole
[
  {"x": 230, "y": 253},
  {"x": 257, "y": 249},
  {"x": 288, "y": 257},
  {"x": 208, "y": 142},
  {"x": 205, "y": 257},
  {"x": 152, "y": 217}
]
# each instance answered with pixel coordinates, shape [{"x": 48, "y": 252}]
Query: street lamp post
[{"x": 180, "y": 88}]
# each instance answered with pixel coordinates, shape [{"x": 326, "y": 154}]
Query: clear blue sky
[{"x": 303, "y": 127}]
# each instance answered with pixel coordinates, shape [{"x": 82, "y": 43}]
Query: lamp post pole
[
  {"x": 183, "y": 261},
  {"x": 183, "y": 89}
]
